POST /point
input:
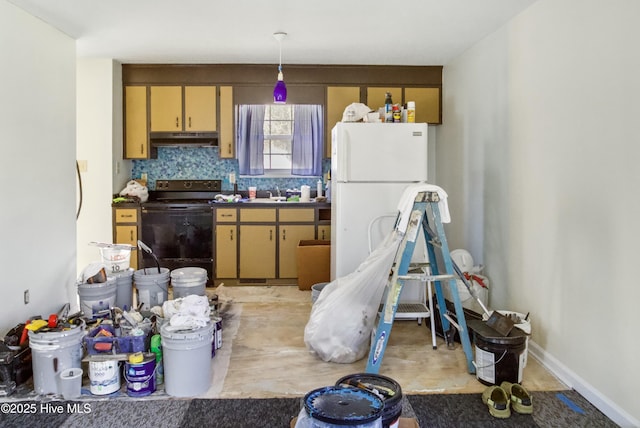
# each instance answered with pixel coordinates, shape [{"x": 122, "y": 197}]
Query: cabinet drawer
[
  {"x": 126, "y": 215},
  {"x": 228, "y": 215},
  {"x": 258, "y": 215},
  {"x": 306, "y": 215}
]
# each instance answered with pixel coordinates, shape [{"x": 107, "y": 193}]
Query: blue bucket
[{"x": 141, "y": 377}]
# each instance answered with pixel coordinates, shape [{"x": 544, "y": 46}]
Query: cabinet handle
[
  {"x": 189, "y": 121},
  {"x": 177, "y": 122},
  {"x": 229, "y": 148},
  {"x": 271, "y": 235},
  {"x": 141, "y": 148},
  {"x": 131, "y": 233},
  {"x": 231, "y": 235},
  {"x": 126, "y": 215},
  {"x": 323, "y": 234},
  {"x": 284, "y": 234}
]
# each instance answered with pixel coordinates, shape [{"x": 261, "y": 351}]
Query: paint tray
[{"x": 500, "y": 323}]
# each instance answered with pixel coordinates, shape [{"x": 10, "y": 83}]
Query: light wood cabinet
[
  {"x": 289, "y": 237},
  {"x": 324, "y": 232},
  {"x": 257, "y": 251},
  {"x": 294, "y": 225},
  {"x": 136, "y": 133},
  {"x": 170, "y": 114},
  {"x": 226, "y": 244},
  {"x": 226, "y": 251},
  {"x": 338, "y": 98},
  {"x": 226, "y": 136},
  {"x": 427, "y": 104},
  {"x": 126, "y": 230}
]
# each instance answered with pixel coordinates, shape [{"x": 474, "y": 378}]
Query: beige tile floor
[{"x": 264, "y": 354}]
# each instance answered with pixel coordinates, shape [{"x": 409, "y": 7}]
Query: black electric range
[{"x": 177, "y": 223}]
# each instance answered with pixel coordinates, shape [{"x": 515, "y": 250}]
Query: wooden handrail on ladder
[{"x": 419, "y": 218}]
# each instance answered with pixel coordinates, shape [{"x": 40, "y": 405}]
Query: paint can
[
  {"x": 498, "y": 358},
  {"x": 53, "y": 352},
  {"x": 336, "y": 406},
  {"x": 387, "y": 389},
  {"x": 186, "y": 356},
  {"x": 104, "y": 377},
  {"x": 152, "y": 287},
  {"x": 188, "y": 280},
  {"x": 96, "y": 299},
  {"x": 140, "y": 375}
]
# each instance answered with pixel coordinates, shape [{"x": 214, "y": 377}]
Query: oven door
[{"x": 179, "y": 236}]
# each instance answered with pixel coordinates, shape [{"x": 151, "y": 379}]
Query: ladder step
[{"x": 420, "y": 277}]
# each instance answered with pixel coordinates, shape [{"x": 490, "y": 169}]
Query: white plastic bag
[{"x": 342, "y": 318}]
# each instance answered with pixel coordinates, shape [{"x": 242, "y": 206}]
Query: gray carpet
[{"x": 551, "y": 409}]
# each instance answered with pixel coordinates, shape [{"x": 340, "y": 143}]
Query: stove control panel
[{"x": 189, "y": 185}]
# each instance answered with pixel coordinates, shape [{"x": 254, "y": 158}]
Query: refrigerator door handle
[{"x": 343, "y": 153}]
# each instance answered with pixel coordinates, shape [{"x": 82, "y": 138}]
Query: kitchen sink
[{"x": 268, "y": 200}]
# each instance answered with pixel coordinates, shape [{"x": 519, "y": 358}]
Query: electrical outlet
[
  {"x": 26, "y": 296},
  {"x": 232, "y": 177}
]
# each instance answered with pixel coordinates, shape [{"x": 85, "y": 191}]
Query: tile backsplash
[{"x": 200, "y": 163}]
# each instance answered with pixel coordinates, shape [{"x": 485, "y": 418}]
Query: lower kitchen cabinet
[
  {"x": 226, "y": 251},
  {"x": 126, "y": 230},
  {"x": 290, "y": 235},
  {"x": 324, "y": 232},
  {"x": 258, "y": 251}
]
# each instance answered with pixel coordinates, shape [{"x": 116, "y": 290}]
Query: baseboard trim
[{"x": 572, "y": 380}]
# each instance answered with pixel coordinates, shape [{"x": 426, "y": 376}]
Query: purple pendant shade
[{"x": 280, "y": 90}]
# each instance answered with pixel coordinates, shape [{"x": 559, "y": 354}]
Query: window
[
  {"x": 278, "y": 136},
  {"x": 279, "y": 140}
]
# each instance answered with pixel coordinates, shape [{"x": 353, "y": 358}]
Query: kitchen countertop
[{"x": 243, "y": 204}]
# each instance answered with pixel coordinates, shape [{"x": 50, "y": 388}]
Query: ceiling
[{"x": 407, "y": 32}]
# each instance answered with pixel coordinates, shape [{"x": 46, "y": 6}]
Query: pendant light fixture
[{"x": 280, "y": 90}]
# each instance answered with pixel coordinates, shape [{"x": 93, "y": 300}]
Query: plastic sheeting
[{"x": 343, "y": 316}]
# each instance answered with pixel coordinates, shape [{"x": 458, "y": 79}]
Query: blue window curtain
[
  {"x": 308, "y": 137},
  {"x": 250, "y": 139}
]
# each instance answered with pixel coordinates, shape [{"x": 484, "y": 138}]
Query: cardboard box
[{"x": 314, "y": 262}]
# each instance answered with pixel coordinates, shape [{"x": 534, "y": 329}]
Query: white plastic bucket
[
  {"x": 70, "y": 383},
  {"x": 97, "y": 297},
  {"x": 188, "y": 280},
  {"x": 116, "y": 258},
  {"x": 187, "y": 360},
  {"x": 51, "y": 354},
  {"x": 152, "y": 287},
  {"x": 104, "y": 377},
  {"x": 124, "y": 288}
]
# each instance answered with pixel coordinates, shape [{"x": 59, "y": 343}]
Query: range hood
[{"x": 182, "y": 139}]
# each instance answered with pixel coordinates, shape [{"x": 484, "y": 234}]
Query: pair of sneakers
[{"x": 500, "y": 400}]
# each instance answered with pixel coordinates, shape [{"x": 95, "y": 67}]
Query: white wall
[
  {"x": 99, "y": 142},
  {"x": 37, "y": 118},
  {"x": 538, "y": 152}
]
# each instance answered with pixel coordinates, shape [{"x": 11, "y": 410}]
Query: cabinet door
[
  {"x": 166, "y": 108},
  {"x": 257, "y": 251},
  {"x": 324, "y": 232},
  {"x": 200, "y": 108},
  {"x": 427, "y": 104},
  {"x": 226, "y": 139},
  {"x": 338, "y": 98},
  {"x": 135, "y": 122},
  {"x": 290, "y": 236},
  {"x": 128, "y": 234},
  {"x": 226, "y": 251}
]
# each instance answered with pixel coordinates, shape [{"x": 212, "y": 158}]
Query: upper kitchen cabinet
[
  {"x": 376, "y": 96},
  {"x": 338, "y": 98},
  {"x": 427, "y": 104},
  {"x": 170, "y": 114},
  {"x": 136, "y": 135},
  {"x": 225, "y": 136}
]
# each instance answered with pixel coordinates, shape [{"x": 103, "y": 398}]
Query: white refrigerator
[{"x": 371, "y": 165}]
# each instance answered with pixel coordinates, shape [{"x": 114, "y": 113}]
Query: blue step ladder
[{"x": 425, "y": 213}]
